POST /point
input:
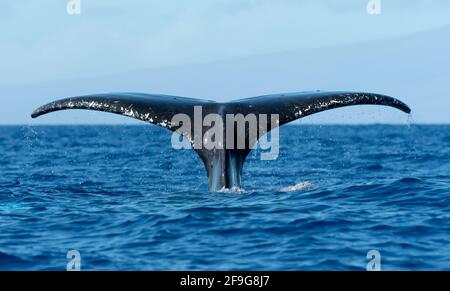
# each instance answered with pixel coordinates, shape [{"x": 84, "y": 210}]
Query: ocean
[{"x": 124, "y": 199}]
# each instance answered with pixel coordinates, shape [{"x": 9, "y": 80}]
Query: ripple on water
[{"x": 126, "y": 200}]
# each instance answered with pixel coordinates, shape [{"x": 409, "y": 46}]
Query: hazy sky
[{"x": 40, "y": 41}]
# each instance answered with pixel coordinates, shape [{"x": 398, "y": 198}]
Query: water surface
[{"x": 126, "y": 200}]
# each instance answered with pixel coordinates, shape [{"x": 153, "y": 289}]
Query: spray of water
[{"x": 298, "y": 187}]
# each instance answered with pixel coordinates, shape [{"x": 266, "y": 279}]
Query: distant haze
[{"x": 223, "y": 51}]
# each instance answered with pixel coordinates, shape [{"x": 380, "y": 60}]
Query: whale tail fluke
[{"x": 223, "y": 166}]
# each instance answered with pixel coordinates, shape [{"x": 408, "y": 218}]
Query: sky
[{"x": 40, "y": 42}]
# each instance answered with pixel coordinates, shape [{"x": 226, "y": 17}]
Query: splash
[
  {"x": 237, "y": 190},
  {"x": 409, "y": 120},
  {"x": 298, "y": 187}
]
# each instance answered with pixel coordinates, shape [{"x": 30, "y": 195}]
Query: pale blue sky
[{"x": 40, "y": 42}]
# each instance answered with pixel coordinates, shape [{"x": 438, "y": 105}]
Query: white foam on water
[
  {"x": 236, "y": 190},
  {"x": 298, "y": 187}
]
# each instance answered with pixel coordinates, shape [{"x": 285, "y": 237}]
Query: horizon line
[{"x": 292, "y": 124}]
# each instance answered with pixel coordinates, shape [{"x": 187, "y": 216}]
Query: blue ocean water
[{"x": 126, "y": 200}]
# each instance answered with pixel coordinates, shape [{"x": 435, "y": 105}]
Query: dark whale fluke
[{"x": 223, "y": 166}]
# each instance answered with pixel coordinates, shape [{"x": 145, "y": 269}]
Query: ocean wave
[
  {"x": 298, "y": 187},
  {"x": 123, "y": 212}
]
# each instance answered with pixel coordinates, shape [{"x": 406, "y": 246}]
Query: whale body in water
[{"x": 223, "y": 163}]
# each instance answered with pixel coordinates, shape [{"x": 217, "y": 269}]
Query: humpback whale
[{"x": 223, "y": 165}]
